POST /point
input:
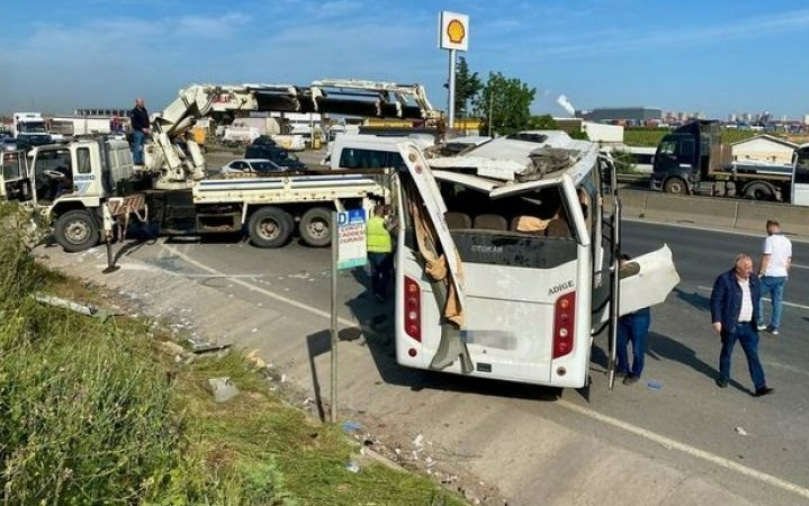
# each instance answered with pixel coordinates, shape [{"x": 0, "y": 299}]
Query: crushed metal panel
[
  {"x": 467, "y": 180},
  {"x": 651, "y": 277}
]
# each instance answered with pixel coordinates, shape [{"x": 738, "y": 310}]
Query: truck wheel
[
  {"x": 315, "y": 227},
  {"x": 759, "y": 191},
  {"x": 676, "y": 186},
  {"x": 76, "y": 231},
  {"x": 270, "y": 227}
]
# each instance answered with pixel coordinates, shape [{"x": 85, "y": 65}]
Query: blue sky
[{"x": 716, "y": 56}]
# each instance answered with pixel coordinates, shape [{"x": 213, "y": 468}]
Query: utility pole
[{"x": 491, "y": 107}]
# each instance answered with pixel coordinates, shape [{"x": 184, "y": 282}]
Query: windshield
[
  {"x": 264, "y": 166},
  {"x": 32, "y": 127}
]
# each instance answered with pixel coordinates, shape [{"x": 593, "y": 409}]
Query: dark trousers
[
  {"x": 632, "y": 328},
  {"x": 381, "y": 270},
  {"x": 747, "y": 336}
]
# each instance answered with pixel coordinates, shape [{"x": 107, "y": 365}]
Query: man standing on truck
[
  {"x": 140, "y": 129},
  {"x": 773, "y": 271}
]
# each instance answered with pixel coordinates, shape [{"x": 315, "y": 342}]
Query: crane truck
[
  {"x": 693, "y": 159},
  {"x": 90, "y": 188}
]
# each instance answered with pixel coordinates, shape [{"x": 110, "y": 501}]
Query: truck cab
[
  {"x": 686, "y": 156},
  {"x": 73, "y": 181}
]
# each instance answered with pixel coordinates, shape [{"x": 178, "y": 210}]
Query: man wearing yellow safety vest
[{"x": 380, "y": 252}]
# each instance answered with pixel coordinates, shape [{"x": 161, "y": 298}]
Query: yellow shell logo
[{"x": 456, "y": 31}]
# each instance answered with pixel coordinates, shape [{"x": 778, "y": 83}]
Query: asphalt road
[{"x": 754, "y": 447}]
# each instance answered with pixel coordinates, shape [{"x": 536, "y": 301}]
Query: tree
[
  {"x": 503, "y": 105},
  {"x": 544, "y": 122},
  {"x": 467, "y": 87}
]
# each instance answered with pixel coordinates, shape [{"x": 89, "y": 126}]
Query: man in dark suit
[{"x": 734, "y": 316}]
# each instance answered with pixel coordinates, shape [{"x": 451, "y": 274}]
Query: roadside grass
[{"x": 94, "y": 411}]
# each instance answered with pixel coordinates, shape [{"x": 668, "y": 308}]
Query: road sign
[
  {"x": 351, "y": 249},
  {"x": 453, "y": 31}
]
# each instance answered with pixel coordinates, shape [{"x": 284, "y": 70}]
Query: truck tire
[
  {"x": 676, "y": 186},
  {"x": 76, "y": 231},
  {"x": 759, "y": 190},
  {"x": 315, "y": 227},
  {"x": 270, "y": 227}
]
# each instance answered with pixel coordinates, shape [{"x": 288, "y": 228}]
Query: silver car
[{"x": 250, "y": 165}]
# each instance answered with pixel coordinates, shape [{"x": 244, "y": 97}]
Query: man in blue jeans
[
  {"x": 140, "y": 129},
  {"x": 776, "y": 260},
  {"x": 734, "y": 315},
  {"x": 632, "y": 328}
]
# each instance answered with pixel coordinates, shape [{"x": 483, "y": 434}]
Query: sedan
[{"x": 251, "y": 165}]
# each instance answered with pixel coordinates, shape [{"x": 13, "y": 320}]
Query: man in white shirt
[{"x": 773, "y": 271}]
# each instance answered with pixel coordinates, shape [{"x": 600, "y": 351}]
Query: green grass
[
  {"x": 94, "y": 413},
  {"x": 653, "y": 136}
]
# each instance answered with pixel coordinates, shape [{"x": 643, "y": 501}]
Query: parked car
[
  {"x": 247, "y": 165},
  {"x": 8, "y": 144},
  {"x": 280, "y": 156},
  {"x": 264, "y": 140}
]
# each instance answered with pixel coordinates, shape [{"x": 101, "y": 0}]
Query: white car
[{"x": 250, "y": 165}]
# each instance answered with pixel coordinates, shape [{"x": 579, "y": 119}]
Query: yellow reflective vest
[{"x": 377, "y": 235}]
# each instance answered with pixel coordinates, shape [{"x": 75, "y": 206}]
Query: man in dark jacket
[
  {"x": 140, "y": 129},
  {"x": 734, "y": 314}
]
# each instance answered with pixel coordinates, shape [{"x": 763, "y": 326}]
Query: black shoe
[
  {"x": 721, "y": 383},
  {"x": 761, "y": 392},
  {"x": 631, "y": 379}
]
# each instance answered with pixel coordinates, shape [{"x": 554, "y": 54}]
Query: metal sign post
[{"x": 348, "y": 250}]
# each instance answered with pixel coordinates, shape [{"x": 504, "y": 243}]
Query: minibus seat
[
  {"x": 456, "y": 220},
  {"x": 490, "y": 222}
]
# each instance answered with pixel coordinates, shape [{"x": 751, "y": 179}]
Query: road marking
[
  {"x": 250, "y": 286},
  {"x": 632, "y": 429},
  {"x": 790, "y": 304},
  {"x": 672, "y": 444},
  {"x": 799, "y": 266}
]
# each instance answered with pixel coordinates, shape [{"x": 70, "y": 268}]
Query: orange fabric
[{"x": 436, "y": 265}]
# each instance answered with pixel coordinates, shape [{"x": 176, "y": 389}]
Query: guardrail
[{"x": 729, "y": 213}]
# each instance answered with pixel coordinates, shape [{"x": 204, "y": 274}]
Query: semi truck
[
  {"x": 30, "y": 129},
  {"x": 692, "y": 159},
  {"x": 89, "y": 188}
]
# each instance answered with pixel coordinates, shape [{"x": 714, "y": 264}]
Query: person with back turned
[
  {"x": 734, "y": 316},
  {"x": 380, "y": 252},
  {"x": 776, "y": 259}
]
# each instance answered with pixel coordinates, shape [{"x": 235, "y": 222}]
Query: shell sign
[{"x": 453, "y": 31}]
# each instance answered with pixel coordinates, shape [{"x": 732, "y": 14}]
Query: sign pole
[
  {"x": 451, "y": 105},
  {"x": 348, "y": 251},
  {"x": 335, "y": 246}
]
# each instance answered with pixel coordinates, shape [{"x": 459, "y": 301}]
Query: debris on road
[
  {"x": 85, "y": 309},
  {"x": 223, "y": 389}
]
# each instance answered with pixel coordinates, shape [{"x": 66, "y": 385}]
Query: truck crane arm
[{"x": 174, "y": 169}]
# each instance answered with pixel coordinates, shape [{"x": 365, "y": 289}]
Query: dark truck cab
[
  {"x": 687, "y": 156},
  {"x": 693, "y": 159}
]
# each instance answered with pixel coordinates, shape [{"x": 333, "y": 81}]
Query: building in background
[
  {"x": 763, "y": 148},
  {"x": 626, "y": 116}
]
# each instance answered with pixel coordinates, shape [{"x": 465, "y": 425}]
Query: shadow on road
[
  {"x": 378, "y": 329},
  {"x": 318, "y": 344},
  {"x": 694, "y": 299}
]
